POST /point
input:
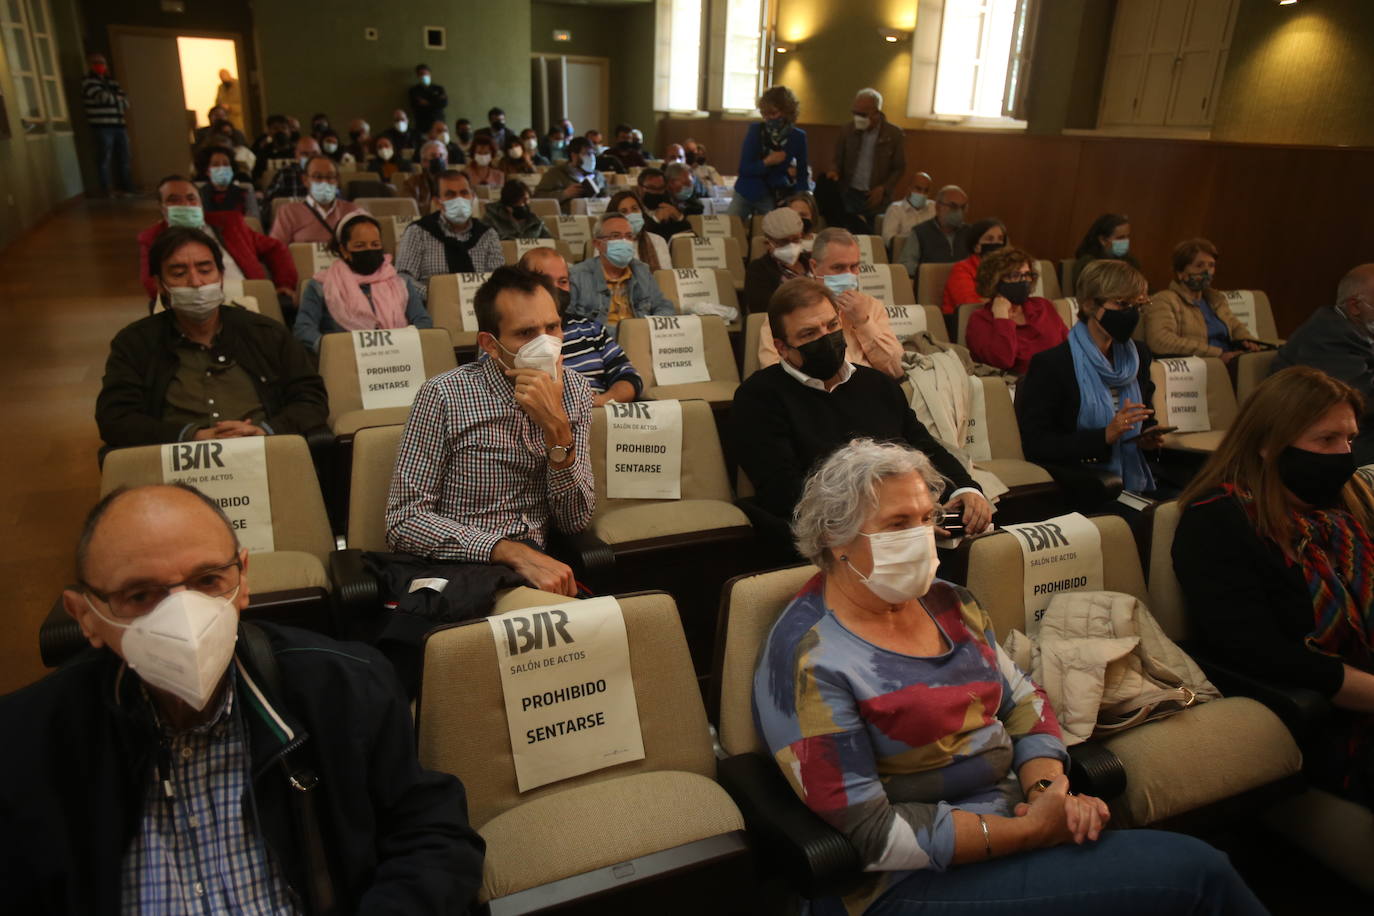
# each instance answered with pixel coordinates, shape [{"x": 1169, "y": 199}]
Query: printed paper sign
[
  {"x": 716, "y": 227},
  {"x": 577, "y": 232},
  {"x": 529, "y": 181},
  {"x": 233, "y": 473},
  {"x": 402, "y": 223},
  {"x": 876, "y": 281},
  {"x": 524, "y": 245},
  {"x": 1242, "y": 304},
  {"x": 644, "y": 450},
  {"x": 906, "y": 320},
  {"x": 976, "y": 443},
  {"x": 233, "y": 289},
  {"x": 696, "y": 285},
  {"x": 1061, "y": 554},
  {"x": 391, "y": 366},
  {"x": 468, "y": 285},
  {"x": 866, "y": 243},
  {"x": 709, "y": 252},
  {"x": 1185, "y": 394},
  {"x": 570, "y": 699},
  {"x": 678, "y": 349},
  {"x": 596, "y": 205},
  {"x": 321, "y": 257},
  {"x": 718, "y": 205}
]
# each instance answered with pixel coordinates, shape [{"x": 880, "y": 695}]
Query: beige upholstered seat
[
  {"x": 339, "y": 369},
  {"x": 1049, "y": 287},
  {"x": 737, "y": 231},
  {"x": 904, "y": 294},
  {"x": 597, "y": 820},
  {"x": 546, "y": 208},
  {"x": 387, "y": 207},
  {"x": 1008, "y": 461},
  {"x": 871, "y": 249},
  {"x": 930, "y": 283},
  {"x": 1251, "y": 369},
  {"x": 303, "y": 254},
  {"x": 1199, "y": 756},
  {"x": 264, "y": 295},
  {"x": 633, "y": 337},
  {"x": 300, "y": 529},
  {"x": 252, "y": 222},
  {"x": 706, "y": 505},
  {"x": 683, "y": 256},
  {"x": 578, "y": 226},
  {"x": 1068, "y": 274},
  {"x": 1221, "y": 408},
  {"x": 755, "y": 323},
  {"x": 446, "y": 309},
  {"x": 725, "y": 291},
  {"x": 510, "y": 250}
]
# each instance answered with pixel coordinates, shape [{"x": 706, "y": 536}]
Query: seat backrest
[
  {"x": 1166, "y": 595},
  {"x": 903, "y": 293},
  {"x": 573, "y": 231},
  {"x": 754, "y": 325},
  {"x": 1068, "y": 275},
  {"x": 633, "y": 338},
  {"x": 280, "y": 202},
  {"x": 305, "y": 255},
  {"x": 384, "y": 207},
  {"x": 461, "y": 720},
  {"x": 1004, "y": 433},
  {"x": 703, "y": 473},
  {"x": 734, "y": 223},
  {"x": 445, "y": 308},
  {"x": 546, "y": 208},
  {"x": 1261, "y": 323},
  {"x": 1221, "y": 398},
  {"x": 370, "y": 188},
  {"x": 1049, "y": 280},
  {"x": 684, "y": 255},
  {"x": 965, "y": 312},
  {"x": 374, "y": 462},
  {"x": 996, "y": 571},
  {"x": 299, "y": 521},
  {"x": 871, "y": 249},
  {"x": 265, "y": 294},
  {"x": 1068, "y": 311},
  {"x": 511, "y": 250},
  {"x": 930, "y": 283},
  {"x": 725, "y": 287},
  {"x": 751, "y": 605},
  {"x": 252, "y": 222},
  {"x": 758, "y": 247},
  {"x": 339, "y": 366},
  {"x": 1251, "y": 369}
]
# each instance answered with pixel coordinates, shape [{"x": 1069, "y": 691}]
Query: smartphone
[
  {"x": 1162, "y": 431},
  {"x": 954, "y": 524}
]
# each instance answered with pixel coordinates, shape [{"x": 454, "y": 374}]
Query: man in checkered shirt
[{"x": 496, "y": 449}]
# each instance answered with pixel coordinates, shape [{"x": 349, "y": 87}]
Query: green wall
[
  {"x": 629, "y": 46},
  {"x": 315, "y": 58}
]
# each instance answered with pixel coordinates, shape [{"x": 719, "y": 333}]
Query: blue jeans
[
  {"x": 112, "y": 148},
  {"x": 745, "y": 208},
  {"x": 1125, "y": 873}
]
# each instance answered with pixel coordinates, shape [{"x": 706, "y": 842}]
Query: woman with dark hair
[
  {"x": 385, "y": 162},
  {"x": 804, "y": 202},
  {"x": 480, "y": 167},
  {"x": 516, "y": 161},
  {"x": 1274, "y": 555},
  {"x": 1107, "y": 239},
  {"x": 772, "y": 159},
  {"x": 984, "y": 237},
  {"x": 1190, "y": 318},
  {"x": 359, "y": 292},
  {"x": 219, "y": 184},
  {"x": 650, "y": 247},
  {"x": 1013, "y": 325},
  {"x": 511, "y": 215}
]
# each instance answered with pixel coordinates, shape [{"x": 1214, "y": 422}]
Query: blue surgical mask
[
  {"x": 425, "y": 79},
  {"x": 458, "y": 210},
  {"x": 221, "y": 175},
  {"x": 1120, "y": 247},
  {"x": 620, "y": 252},
  {"x": 636, "y": 222},
  {"x": 187, "y": 217},
  {"x": 588, "y": 163},
  {"x": 916, "y": 200},
  {"x": 323, "y": 192},
  {"x": 840, "y": 283},
  {"x": 685, "y": 193}
]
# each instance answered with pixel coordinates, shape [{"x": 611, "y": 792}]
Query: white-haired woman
[{"x": 886, "y": 701}]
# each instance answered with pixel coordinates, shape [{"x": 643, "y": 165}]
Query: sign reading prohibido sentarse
[
  {"x": 1062, "y": 554},
  {"x": 570, "y": 699},
  {"x": 232, "y": 473}
]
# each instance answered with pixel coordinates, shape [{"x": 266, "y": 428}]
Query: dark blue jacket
[{"x": 760, "y": 182}]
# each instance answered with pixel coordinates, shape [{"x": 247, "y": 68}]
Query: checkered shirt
[
  {"x": 195, "y": 852},
  {"x": 472, "y": 468},
  {"x": 420, "y": 255}
]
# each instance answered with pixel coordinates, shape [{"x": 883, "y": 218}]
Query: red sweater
[
  {"x": 249, "y": 250},
  {"x": 959, "y": 287},
  {"x": 1003, "y": 343}
]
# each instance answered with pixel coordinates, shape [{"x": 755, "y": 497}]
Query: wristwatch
[
  {"x": 1039, "y": 785},
  {"x": 557, "y": 454}
]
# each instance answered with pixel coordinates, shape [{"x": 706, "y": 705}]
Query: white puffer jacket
[{"x": 1105, "y": 664}]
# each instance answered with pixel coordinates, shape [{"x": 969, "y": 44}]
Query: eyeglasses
[
  {"x": 138, "y": 600},
  {"x": 1030, "y": 275},
  {"x": 1134, "y": 305}
]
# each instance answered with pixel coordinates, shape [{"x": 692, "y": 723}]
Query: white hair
[
  {"x": 835, "y": 235},
  {"x": 843, "y": 492},
  {"x": 947, "y": 190},
  {"x": 868, "y": 92}
]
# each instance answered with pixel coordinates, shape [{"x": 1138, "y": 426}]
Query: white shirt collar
[{"x": 846, "y": 371}]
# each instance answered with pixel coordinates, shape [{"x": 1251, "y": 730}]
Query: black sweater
[
  {"x": 782, "y": 428},
  {"x": 1248, "y": 603}
]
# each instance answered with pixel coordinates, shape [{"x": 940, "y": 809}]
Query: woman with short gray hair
[{"x": 886, "y": 701}]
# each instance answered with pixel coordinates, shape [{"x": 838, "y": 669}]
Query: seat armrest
[
  {"x": 587, "y": 554},
  {"x": 356, "y": 599},
  {"x": 1304, "y": 712},
  {"x": 1095, "y": 770},
  {"x": 59, "y": 636},
  {"x": 813, "y": 857}
]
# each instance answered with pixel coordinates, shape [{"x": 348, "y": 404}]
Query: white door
[
  {"x": 1201, "y": 61},
  {"x": 586, "y": 89},
  {"x": 148, "y": 67}
]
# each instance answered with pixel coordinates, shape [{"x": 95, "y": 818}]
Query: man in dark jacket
[
  {"x": 1339, "y": 340},
  {"x": 137, "y": 788},
  {"x": 869, "y": 159},
  {"x": 202, "y": 369},
  {"x": 427, "y": 99}
]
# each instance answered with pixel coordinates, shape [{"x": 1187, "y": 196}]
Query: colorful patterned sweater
[{"x": 885, "y": 746}]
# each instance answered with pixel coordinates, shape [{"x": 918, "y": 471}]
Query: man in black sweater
[{"x": 789, "y": 416}]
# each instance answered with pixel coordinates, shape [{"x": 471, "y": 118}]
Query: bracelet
[{"x": 987, "y": 837}]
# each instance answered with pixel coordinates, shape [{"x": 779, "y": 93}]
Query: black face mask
[
  {"x": 1018, "y": 291},
  {"x": 437, "y": 166},
  {"x": 806, "y": 226},
  {"x": 653, "y": 201},
  {"x": 1120, "y": 323},
  {"x": 564, "y": 300},
  {"x": 281, "y": 138},
  {"x": 822, "y": 357},
  {"x": 498, "y": 126},
  {"x": 367, "y": 261},
  {"x": 521, "y": 212},
  {"x": 1315, "y": 478},
  {"x": 464, "y": 134},
  {"x": 989, "y": 247},
  {"x": 355, "y": 134}
]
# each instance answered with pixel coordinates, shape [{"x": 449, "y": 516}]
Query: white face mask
[
  {"x": 808, "y": 244},
  {"x": 402, "y": 126},
  {"x": 183, "y": 645},
  {"x": 443, "y": 138},
  {"x": 903, "y": 563},
  {"x": 482, "y": 158},
  {"x": 862, "y": 123},
  {"x": 196, "y": 302},
  {"x": 385, "y": 153},
  {"x": 531, "y": 145},
  {"x": 542, "y": 353},
  {"x": 788, "y": 253}
]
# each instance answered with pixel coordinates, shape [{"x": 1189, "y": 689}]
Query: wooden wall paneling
[{"x": 1027, "y": 183}]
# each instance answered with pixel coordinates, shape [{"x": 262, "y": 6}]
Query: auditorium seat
[
  {"x": 307, "y": 255},
  {"x": 871, "y": 249},
  {"x": 685, "y": 254},
  {"x": 511, "y": 250},
  {"x": 402, "y": 208},
  {"x": 1251, "y": 369},
  {"x": 930, "y": 283},
  {"x": 1068, "y": 274},
  {"x": 633, "y": 337},
  {"x": 573, "y": 231},
  {"x": 1221, "y": 408},
  {"x": 755, "y": 323},
  {"x": 1200, "y": 756},
  {"x": 546, "y": 208},
  {"x": 252, "y": 222},
  {"x": 899, "y": 285},
  {"x": 588, "y": 206},
  {"x": 660, "y": 827},
  {"x": 280, "y": 202},
  {"x": 667, "y": 281},
  {"x": 1032, "y": 492},
  {"x": 339, "y": 369},
  {"x": 726, "y": 226},
  {"x": 445, "y": 308},
  {"x": 264, "y": 295},
  {"x": 367, "y": 186},
  {"x": 1047, "y": 287}
]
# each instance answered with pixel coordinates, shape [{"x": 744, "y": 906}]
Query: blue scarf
[{"x": 1096, "y": 377}]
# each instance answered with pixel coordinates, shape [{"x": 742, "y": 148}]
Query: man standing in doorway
[
  {"x": 229, "y": 96},
  {"x": 106, "y": 104},
  {"x": 427, "y": 100},
  {"x": 869, "y": 161}
]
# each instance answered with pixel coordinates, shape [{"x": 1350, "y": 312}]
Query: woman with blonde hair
[
  {"x": 772, "y": 158},
  {"x": 1276, "y": 561}
]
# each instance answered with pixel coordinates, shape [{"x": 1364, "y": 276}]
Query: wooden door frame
[
  {"x": 605, "y": 81},
  {"x": 249, "y": 102}
]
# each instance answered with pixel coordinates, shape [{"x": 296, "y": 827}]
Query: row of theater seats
[{"x": 680, "y": 799}]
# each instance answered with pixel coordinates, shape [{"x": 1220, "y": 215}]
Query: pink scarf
[{"x": 344, "y": 297}]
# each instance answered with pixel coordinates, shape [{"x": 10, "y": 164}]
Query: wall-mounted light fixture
[
  {"x": 785, "y": 47},
  {"x": 1287, "y": 2},
  {"x": 892, "y": 36}
]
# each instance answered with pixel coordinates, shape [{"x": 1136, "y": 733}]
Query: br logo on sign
[
  {"x": 634, "y": 409},
  {"x": 197, "y": 456},
  {"x": 1042, "y": 537},
  {"x": 897, "y": 311},
  {"x": 374, "y": 338},
  {"x": 688, "y": 273},
  {"x": 1176, "y": 365},
  {"x": 525, "y": 634},
  {"x": 665, "y": 322}
]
